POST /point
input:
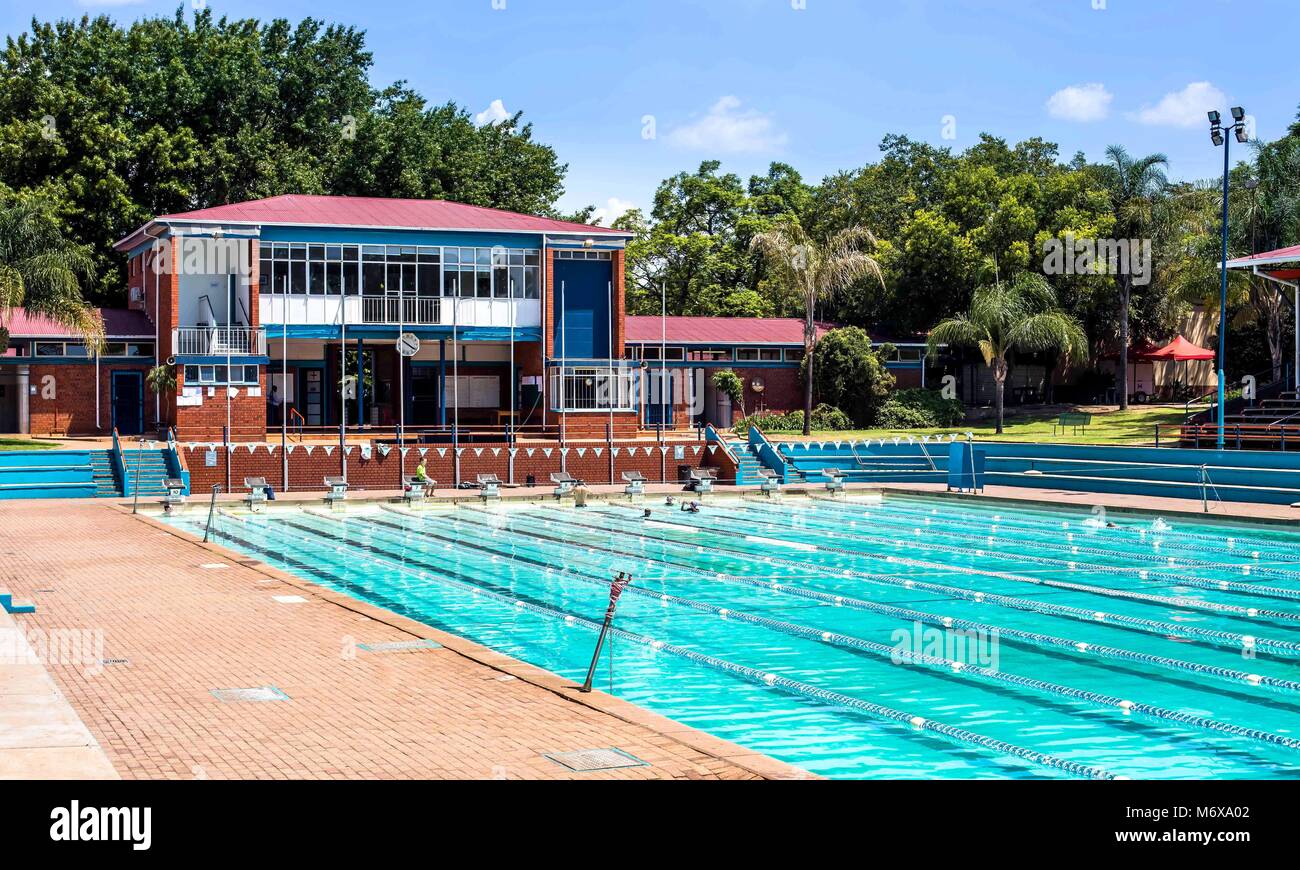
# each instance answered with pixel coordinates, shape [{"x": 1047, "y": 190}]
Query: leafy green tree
[
  {"x": 1020, "y": 315},
  {"x": 112, "y": 124},
  {"x": 818, "y": 271},
  {"x": 43, "y": 272},
  {"x": 729, "y": 383},
  {"x": 850, "y": 374}
]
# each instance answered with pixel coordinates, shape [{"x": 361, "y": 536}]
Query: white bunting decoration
[
  {"x": 696, "y": 450},
  {"x": 546, "y": 451},
  {"x": 529, "y": 451},
  {"x": 564, "y": 451},
  {"x": 663, "y": 448},
  {"x": 496, "y": 451},
  {"x": 713, "y": 448},
  {"x": 290, "y": 448},
  {"x": 405, "y": 450},
  {"x": 582, "y": 451},
  {"x": 309, "y": 448},
  {"x": 442, "y": 452},
  {"x": 460, "y": 450},
  {"x": 613, "y": 451},
  {"x": 384, "y": 450},
  {"x": 422, "y": 451},
  {"x": 231, "y": 448},
  {"x": 329, "y": 450},
  {"x": 478, "y": 451},
  {"x": 365, "y": 452},
  {"x": 252, "y": 448},
  {"x": 598, "y": 450},
  {"x": 514, "y": 451}
]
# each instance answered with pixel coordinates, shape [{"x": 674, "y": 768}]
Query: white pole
[
  {"x": 564, "y": 373},
  {"x": 284, "y": 381},
  {"x": 343, "y": 379},
  {"x": 401, "y": 360},
  {"x": 97, "y": 383},
  {"x": 613, "y": 390},
  {"x": 455, "y": 364},
  {"x": 663, "y": 353},
  {"x": 229, "y": 432},
  {"x": 157, "y": 327}
]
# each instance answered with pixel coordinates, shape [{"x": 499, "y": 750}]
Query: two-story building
[{"x": 294, "y": 305}]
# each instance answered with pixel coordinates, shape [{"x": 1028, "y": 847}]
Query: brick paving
[{"x": 183, "y": 630}]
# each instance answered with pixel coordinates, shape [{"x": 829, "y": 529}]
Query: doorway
[{"x": 128, "y": 403}]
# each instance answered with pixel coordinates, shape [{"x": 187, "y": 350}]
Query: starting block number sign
[{"x": 408, "y": 344}]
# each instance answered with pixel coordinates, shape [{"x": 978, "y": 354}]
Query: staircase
[
  {"x": 152, "y": 471},
  {"x": 45, "y": 474},
  {"x": 747, "y": 464},
  {"x": 101, "y": 467}
]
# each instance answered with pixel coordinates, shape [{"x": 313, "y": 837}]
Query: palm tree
[
  {"x": 1134, "y": 185},
  {"x": 816, "y": 271},
  {"x": 1016, "y": 316},
  {"x": 43, "y": 272}
]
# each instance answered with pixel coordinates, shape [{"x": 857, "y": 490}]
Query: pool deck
[{"x": 181, "y": 619}]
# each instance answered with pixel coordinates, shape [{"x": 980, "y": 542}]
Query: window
[
  {"x": 651, "y": 351},
  {"x": 794, "y": 355},
  {"x": 757, "y": 354},
  {"x": 568, "y": 254},
  {"x": 213, "y": 376},
  {"x": 48, "y": 348},
  {"x": 710, "y": 354}
]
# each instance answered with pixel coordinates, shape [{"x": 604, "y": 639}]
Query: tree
[
  {"x": 43, "y": 272},
  {"x": 851, "y": 375},
  {"x": 818, "y": 271},
  {"x": 1006, "y": 317},
  {"x": 728, "y": 382},
  {"x": 1135, "y": 185}
]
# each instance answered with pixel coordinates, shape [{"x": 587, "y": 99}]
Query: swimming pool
[{"x": 911, "y": 637}]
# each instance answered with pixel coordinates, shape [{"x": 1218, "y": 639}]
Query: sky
[{"x": 630, "y": 92}]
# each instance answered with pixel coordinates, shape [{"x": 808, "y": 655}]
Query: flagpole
[
  {"x": 284, "y": 381},
  {"x": 343, "y": 380},
  {"x": 455, "y": 377}
]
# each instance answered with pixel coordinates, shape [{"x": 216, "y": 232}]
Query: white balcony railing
[
  {"x": 219, "y": 341},
  {"x": 594, "y": 387},
  {"x": 395, "y": 310}
]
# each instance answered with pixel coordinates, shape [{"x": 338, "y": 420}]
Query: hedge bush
[
  {"x": 825, "y": 418},
  {"x": 919, "y": 409}
]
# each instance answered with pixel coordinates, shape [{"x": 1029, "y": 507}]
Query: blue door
[
  {"x": 581, "y": 308},
  {"x": 128, "y": 402},
  {"x": 659, "y": 398}
]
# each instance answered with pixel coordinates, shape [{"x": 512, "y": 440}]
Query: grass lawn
[
  {"x": 1109, "y": 426},
  {"x": 8, "y": 443}
]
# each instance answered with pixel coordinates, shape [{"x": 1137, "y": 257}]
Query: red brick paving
[{"x": 185, "y": 630}]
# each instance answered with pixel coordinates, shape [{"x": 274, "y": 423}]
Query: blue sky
[{"x": 751, "y": 81}]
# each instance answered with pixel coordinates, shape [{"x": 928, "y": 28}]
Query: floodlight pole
[{"x": 1223, "y": 299}]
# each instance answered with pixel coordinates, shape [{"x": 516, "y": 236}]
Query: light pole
[{"x": 1217, "y": 130}]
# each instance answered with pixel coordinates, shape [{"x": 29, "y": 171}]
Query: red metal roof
[
  {"x": 376, "y": 212},
  {"x": 118, "y": 323},
  {"x": 720, "y": 330},
  {"x": 1281, "y": 255}
]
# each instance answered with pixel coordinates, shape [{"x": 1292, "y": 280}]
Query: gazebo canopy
[
  {"x": 1282, "y": 267},
  {"x": 1178, "y": 350}
]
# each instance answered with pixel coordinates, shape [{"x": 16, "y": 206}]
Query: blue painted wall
[{"x": 585, "y": 312}]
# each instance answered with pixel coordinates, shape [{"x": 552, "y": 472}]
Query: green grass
[
  {"x": 24, "y": 444},
  {"x": 1134, "y": 426}
]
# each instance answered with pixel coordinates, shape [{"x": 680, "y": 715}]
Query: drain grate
[
  {"x": 259, "y": 693},
  {"x": 399, "y": 646},
  {"x": 588, "y": 760},
  {"x": 114, "y": 661}
]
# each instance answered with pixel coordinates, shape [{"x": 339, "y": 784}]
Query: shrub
[
  {"x": 826, "y": 418},
  {"x": 919, "y": 409}
]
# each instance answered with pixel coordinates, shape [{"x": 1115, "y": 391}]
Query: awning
[
  {"x": 1180, "y": 349},
  {"x": 1267, "y": 258}
]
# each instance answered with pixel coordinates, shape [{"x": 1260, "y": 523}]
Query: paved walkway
[{"x": 179, "y": 620}]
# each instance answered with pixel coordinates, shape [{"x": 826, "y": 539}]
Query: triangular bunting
[
  {"x": 713, "y": 448},
  {"x": 460, "y": 450},
  {"x": 478, "y": 451},
  {"x": 309, "y": 448},
  {"x": 442, "y": 452},
  {"x": 514, "y": 451},
  {"x": 598, "y": 450},
  {"x": 546, "y": 451},
  {"x": 582, "y": 451},
  {"x": 613, "y": 451},
  {"x": 496, "y": 451},
  {"x": 696, "y": 450},
  {"x": 422, "y": 451}
]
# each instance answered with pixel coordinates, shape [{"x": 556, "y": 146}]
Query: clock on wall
[{"x": 757, "y": 385}]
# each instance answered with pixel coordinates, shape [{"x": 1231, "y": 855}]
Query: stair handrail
[
  {"x": 296, "y": 422},
  {"x": 928, "y": 457},
  {"x": 777, "y": 462},
  {"x": 119, "y": 464},
  {"x": 711, "y": 436}
]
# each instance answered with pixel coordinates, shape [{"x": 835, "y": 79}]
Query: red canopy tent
[{"x": 1178, "y": 350}]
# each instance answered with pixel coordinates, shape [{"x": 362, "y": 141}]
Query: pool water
[{"x": 910, "y": 637}]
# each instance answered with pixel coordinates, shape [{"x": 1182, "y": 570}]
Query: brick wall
[
  {"x": 592, "y": 462},
  {"x": 72, "y": 410},
  {"x": 207, "y": 421}
]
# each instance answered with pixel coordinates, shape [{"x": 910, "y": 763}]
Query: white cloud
[
  {"x": 493, "y": 114},
  {"x": 1185, "y": 108},
  {"x": 1090, "y": 102},
  {"x": 726, "y": 127},
  {"x": 613, "y": 209}
]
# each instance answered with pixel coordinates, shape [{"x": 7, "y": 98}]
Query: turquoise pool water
[{"x": 914, "y": 637}]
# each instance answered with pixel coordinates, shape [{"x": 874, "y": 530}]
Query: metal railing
[
  {"x": 594, "y": 387},
  {"x": 219, "y": 341},
  {"x": 393, "y": 310}
]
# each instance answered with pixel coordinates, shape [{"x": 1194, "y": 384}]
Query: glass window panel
[
  {"x": 373, "y": 253},
  {"x": 298, "y": 251},
  {"x": 264, "y": 273},
  {"x": 333, "y": 253},
  {"x": 517, "y": 276},
  {"x": 408, "y": 279},
  {"x": 516, "y": 258},
  {"x": 317, "y": 273},
  {"x": 483, "y": 256},
  {"x": 484, "y": 283},
  {"x": 297, "y": 277},
  {"x": 351, "y": 272},
  {"x": 467, "y": 255},
  {"x": 450, "y": 281},
  {"x": 746, "y": 353},
  {"x": 500, "y": 281},
  {"x": 279, "y": 251},
  {"x": 466, "y": 280},
  {"x": 351, "y": 253},
  {"x": 144, "y": 348},
  {"x": 207, "y": 374},
  {"x": 191, "y": 374},
  {"x": 428, "y": 279},
  {"x": 372, "y": 279},
  {"x": 334, "y": 279},
  {"x": 532, "y": 258},
  {"x": 429, "y": 255},
  {"x": 451, "y": 255},
  {"x": 500, "y": 257},
  {"x": 114, "y": 348},
  {"x": 315, "y": 252},
  {"x": 394, "y": 278},
  {"x": 531, "y": 284}
]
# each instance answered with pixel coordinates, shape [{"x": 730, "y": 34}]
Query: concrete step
[{"x": 10, "y": 606}]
